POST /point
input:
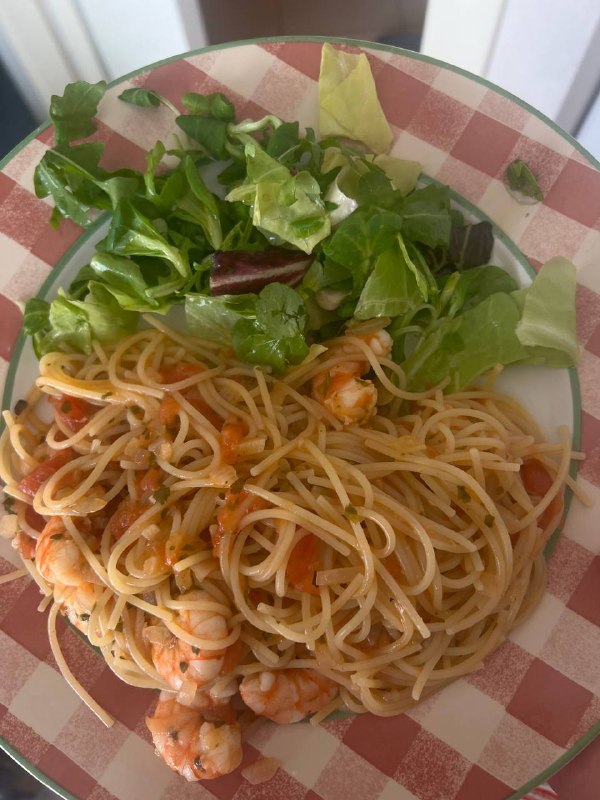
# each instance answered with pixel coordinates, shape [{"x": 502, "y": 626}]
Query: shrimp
[
  {"x": 342, "y": 389},
  {"x": 287, "y": 695},
  {"x": 76, "y": 603},
  {"x": 193, "y": 747},
  {"x": 25, "y": 545},
  {"x": 58, "y": 558},
  {"x": 177, "y": 661}
]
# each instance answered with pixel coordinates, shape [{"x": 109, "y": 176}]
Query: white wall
[
  {"x": 545, "y": 51},
  {"x": 461, "y": 31},
  {"x": 131, "y": 33},
  {"x": 539, "y": 48},
  {"x": 589, "y": 133},
  {"x": 46, "y": 44}
]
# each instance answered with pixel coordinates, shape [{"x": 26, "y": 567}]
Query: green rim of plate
[{"x": 582, "y": 743}]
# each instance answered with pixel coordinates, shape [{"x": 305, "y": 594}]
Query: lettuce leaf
[
  {"x": 266, "y": 329},
  {"x": 391, "y": 289},
  {"x": 288, "y": 207},
  {"x": 75, "y": 324},
  {"x": 214, "y": 317},
  {"x": 547, "y": 326},
  {"x": 468, "y": 345},
  {"x": 348, "y": 102},
  {"x": 276, "y": 336}
]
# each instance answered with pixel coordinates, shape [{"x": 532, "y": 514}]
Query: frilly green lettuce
[{"x": 348, "y": 102}]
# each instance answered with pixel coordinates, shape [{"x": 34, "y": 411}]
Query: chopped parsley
[
  {"x": 183, "y": 665},
  {"x": 56, "y": 537},
  {"x": 106, "y": 395},
  {"x": 463, "y": 494},
  {"x": 161, "y": 495},
  {"x": 237, "y": 486},
  {"x": 66, "y": 407},
  {"x": 489, "y": 520},
  {"x": 8, "y": 505},
  {"x": 351, "y": 513},
  {"x": 20, "y": 407}
]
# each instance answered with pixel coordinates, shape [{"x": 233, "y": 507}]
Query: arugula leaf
[
  {"x": 547, "y": 326},
  {"x": 204, "y": 206},
  {"x": 276, "y": 336},
  {"x": 470, "y": 245},
  {"x": 426, "y": 216},
  {"x": 215, "y": 105},
  {"x": 132, "y": 234},
  {"x": 75, "y": 324},
  {"x": 243, "y": 236},
  {"x": 214, "y": 317},
  {"x": 360, "y": 238},
  {"x": 73, "y": 113},
  {"x": 391, "y": 289},
  {"x": 35, "y": 316},
  {"x": 209, "y": 132},
  {"x": 123, "y": 278},
  {"x": 328, "y": 293},
  {"x": 418, "y": 266},
  {"x": 48, "y": 181},
  {"x": 522, "y": 181},
  {"x": 71, "y": 175},
  {"x": 464, "y": 290},
  {"x": 283, "y": 142},
  {"x": 456, "y": 349},
  {"x": 138, "y": 96}
]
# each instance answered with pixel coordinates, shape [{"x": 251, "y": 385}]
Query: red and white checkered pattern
[{"x": 483, "y": 736}]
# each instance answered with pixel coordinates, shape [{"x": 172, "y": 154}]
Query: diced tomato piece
[
  {"x": 124, "y": 517},
  {"x": 73, "y": 412},
  {"x": 303, "y": 563},
  {"x": 149, "y": 483},
  {"x": 232, "y": 434},
  {"x": 129, "y": 510},
  {"x": 232, "y": 657},
  {"x": 34, "y": 520},
  {"x": 168, "y": 411},
  {"x": 32, "y": 482},
  {"x": 194, "y": 397},
  {"x": 230, "y": 515},
  {"x": 537, "y": 482},
  {"x": 173, "y": 373},
  {"x": 535, "y": 477},
  {"x": 392, "y": 565},
  {"x": 257, "y": 595}
]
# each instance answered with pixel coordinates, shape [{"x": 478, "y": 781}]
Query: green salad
[{"x": 273, "y": 239}]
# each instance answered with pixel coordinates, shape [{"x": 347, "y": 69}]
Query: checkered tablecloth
[{"x": 483, "y": 736}]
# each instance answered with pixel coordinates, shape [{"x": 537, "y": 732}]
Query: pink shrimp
[
  {"x": 58, "y": 558},
  {"x": 287, "y": 695},
  {"x": 189, "y": 744},
  {"x": 342, "y": 389},
  {"x": 77, "y": 603},
  {"x": 178, "y": 661}
]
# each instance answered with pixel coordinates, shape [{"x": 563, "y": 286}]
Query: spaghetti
[{"x": 204, "y": 521}]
